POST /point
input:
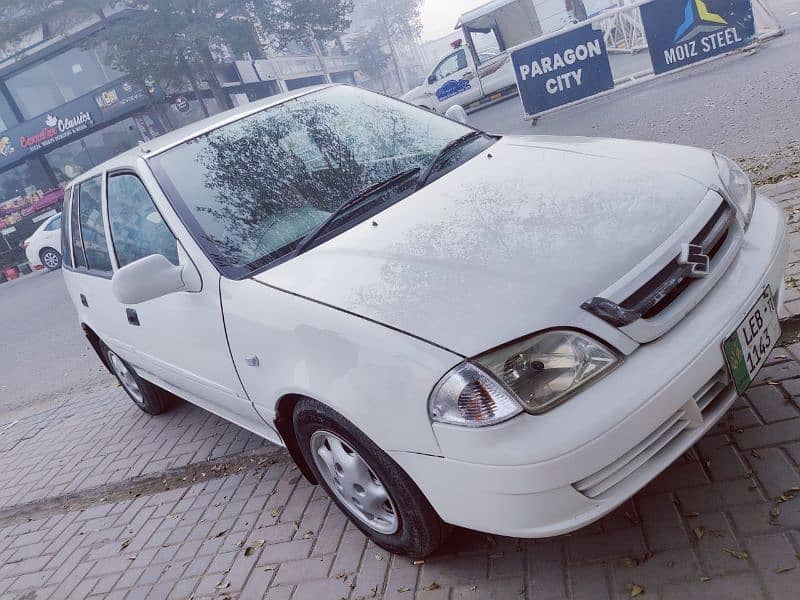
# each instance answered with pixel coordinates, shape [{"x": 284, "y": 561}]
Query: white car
[
  {"x": 510, "y": 334},
  {"x": 43, "y": 247}
]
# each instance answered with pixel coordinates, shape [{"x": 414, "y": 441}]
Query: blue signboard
[
  {"x": 70, "y": 119},
  {"x": 682, "y": 32},
  {"x": 562, "y": 69}
]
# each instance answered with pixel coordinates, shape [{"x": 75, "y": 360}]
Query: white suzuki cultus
[{"x": 444, "y": 327}]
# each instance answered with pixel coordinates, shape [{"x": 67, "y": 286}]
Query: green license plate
[{"x": 748, "y": 347}]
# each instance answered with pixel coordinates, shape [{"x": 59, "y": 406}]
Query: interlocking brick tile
[
  {"x": 732, "y": 587},
  {"x": 771, "y": 555},
  {"x": 775, "y": 472}
]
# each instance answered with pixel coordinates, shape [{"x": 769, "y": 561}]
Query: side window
[
  {"x": 137, "y": 229},
  {"x": 93, "y": 231},
  {"x": 54, "y": 224},
  {"x": 66, "y": 255},
  {"x": 452, "y": 64},
  {"x": 75, "y": 233}
]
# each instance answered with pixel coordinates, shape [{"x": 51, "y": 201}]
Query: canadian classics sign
[{"x": 56, "y": 129}]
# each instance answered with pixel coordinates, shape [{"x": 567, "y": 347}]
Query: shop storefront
[{"x": 40, "y": 155}]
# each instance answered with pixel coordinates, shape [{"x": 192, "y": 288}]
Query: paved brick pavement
[
  {"x": 103, "y": 438},
  {"x": 722, "y": 522}
]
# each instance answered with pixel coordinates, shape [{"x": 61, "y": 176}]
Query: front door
[
  {"x": 179, "y": 339},
  {"x": 454, "y": 81}
]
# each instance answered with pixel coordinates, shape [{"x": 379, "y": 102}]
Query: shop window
[
  {"x": 59, "y": 79},
  {"x": 137, "y": 229},
  {"x": 70, "y": 160},
  {"x": 7, "y": 118},
  {"x": 93, "y": 232},
  {"x": 21, "y": 187}
]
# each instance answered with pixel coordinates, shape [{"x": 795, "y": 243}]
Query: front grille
[
  {"x": 664, "y": 444},
  {"x": 657, "y": 294}
]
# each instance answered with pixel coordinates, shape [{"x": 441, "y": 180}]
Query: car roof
[{"x": 174, "y": 138}]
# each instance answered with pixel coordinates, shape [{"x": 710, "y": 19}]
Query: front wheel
[
  {"x": 366, "y": 484},
  {"x": 50, "y": 258}
]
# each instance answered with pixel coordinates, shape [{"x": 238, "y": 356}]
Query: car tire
[
  {"x": 407, "y": 523},
  {"x": 148, "y": 397},
  {"x": 50, "y": 258}
]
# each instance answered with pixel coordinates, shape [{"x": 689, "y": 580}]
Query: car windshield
[{"x": 250, "y": 191}]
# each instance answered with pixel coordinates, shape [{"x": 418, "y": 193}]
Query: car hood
[{"x": 509, "y": 243}]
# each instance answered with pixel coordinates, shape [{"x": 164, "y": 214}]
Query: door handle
[
  {"x": 84, "y": 301},
  {"x": 133, "y": 318}
]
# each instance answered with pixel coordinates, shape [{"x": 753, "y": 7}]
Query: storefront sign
[
  {"x": 682, "y": 32},
  {"x": 181, "y": 103},
  {"x": 562, "y": 69},
  {"x": 69, "y": 120}
]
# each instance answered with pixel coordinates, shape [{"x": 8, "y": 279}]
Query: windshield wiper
[
  {"x": 364, "y": 194},
  {"x": 426, "y": 174}
]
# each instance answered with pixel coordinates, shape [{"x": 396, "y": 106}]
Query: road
[
  {"x": 44, "y": 356},
  {"x": 744, "y": 106}
]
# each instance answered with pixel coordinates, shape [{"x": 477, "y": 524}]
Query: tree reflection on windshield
[{"x": 251, "y": 190}]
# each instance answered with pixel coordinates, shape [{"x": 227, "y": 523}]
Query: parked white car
[
  {"x": 510, "y": 334},
  {"x": 43, "y": 247}
]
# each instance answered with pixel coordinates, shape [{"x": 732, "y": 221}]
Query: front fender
[{"x": 375, "y": 376}]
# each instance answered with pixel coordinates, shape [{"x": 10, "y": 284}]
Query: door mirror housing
[
  {"x": 431, "y": 79},
  {"x": 457, "y": 113},
  {"x": 152, "y": 277}
]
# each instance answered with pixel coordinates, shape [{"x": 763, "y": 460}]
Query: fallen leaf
[
  {"x": 131, "y": 557},
  {"x": 308, "y": 534},
  {"x": 704, "y": 579},
  {"x": 403, "y": 589},
  {"x": 276, "y": 511},
  {"x": 269, "y": 568},
  {"x": 221, "y": 533},
  {"x": 432, "y": 586},
  {"x": 224, "y": 586},
  {"x": 379, "y": 557},
  {"x": 418, "y": 562},
  {"x": 740, "y": 554},
  {"x": 249, "y": 551},
  {"x": 636, "y": 590},
  {"x": 699, "y": 532},
  {"x": 780, "y": 570},
  {"x": 693, "y": 514},
  {"x": 775, "y": 511},
  {"x": 755, "y": 453}
]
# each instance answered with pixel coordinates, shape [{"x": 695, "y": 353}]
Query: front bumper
[{"x": 544, "y": 475}]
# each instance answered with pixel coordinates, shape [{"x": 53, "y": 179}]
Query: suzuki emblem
[{"x": 695, "y": 257}]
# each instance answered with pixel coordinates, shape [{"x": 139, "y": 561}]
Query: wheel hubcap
[
  {"x": 354, "y": 482},
  {"x": 126, "y": 377},
  {"x": 50, "y": 260}
]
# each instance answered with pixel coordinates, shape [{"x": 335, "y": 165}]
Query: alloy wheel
[
  {"x": 50, "y": 259},
  {"x": 354, "y": 482}
]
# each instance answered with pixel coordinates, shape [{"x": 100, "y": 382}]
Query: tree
[
  {"x": 372, "y": 58},
  {"x": 396, "y": 19},
  {"x": 171, "y": 40}
]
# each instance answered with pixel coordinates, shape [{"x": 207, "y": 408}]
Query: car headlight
[
  {"x": 534, "y": 375},
  {"x": 737, "y": 186}
]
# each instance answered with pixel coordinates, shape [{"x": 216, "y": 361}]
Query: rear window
[{"x": 93, "y": 231}]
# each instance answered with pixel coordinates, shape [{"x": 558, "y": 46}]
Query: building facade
[{"x": 63, "y": 111}]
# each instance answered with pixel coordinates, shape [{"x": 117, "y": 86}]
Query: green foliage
[{"x": 367, "y": 47}]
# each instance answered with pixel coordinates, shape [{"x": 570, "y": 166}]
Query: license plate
[{"x": 747, "y": 349}]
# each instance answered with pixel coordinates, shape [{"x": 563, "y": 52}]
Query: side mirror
[
  {"x": 152, "y": 277},
  {"x": 457, "y": 113},
  {"x": 431, "y": 79}
]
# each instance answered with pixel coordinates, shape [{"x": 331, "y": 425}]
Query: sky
[{"x": 439, "y": 16}]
